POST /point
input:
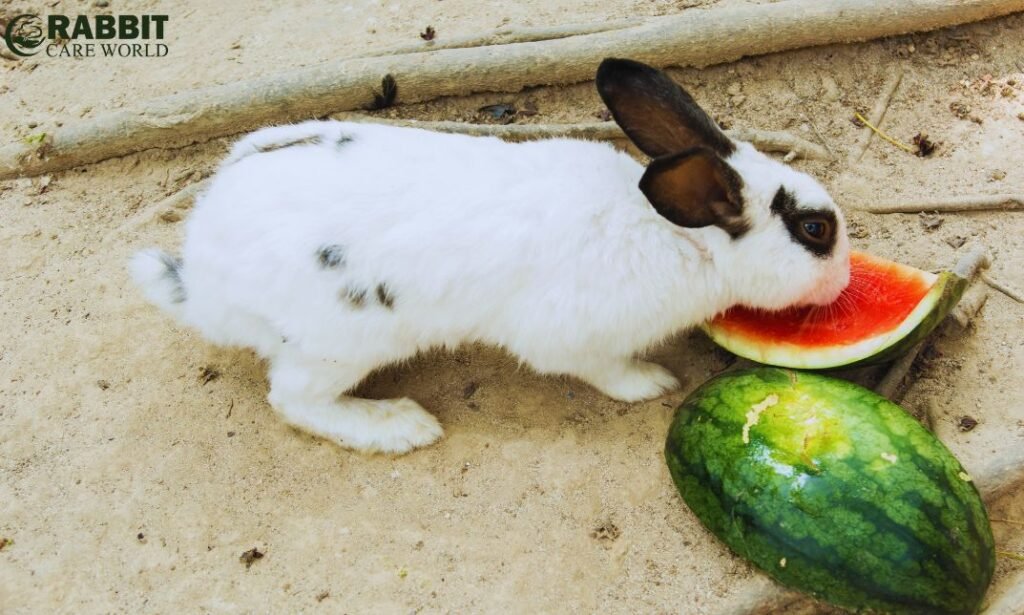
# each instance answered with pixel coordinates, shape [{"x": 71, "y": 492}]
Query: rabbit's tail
[{"x": 158, "y": 274}]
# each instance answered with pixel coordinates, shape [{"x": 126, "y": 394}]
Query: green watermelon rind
[
  {"x": 857, "y": 535},
  {"x": 943, "y": 296}
]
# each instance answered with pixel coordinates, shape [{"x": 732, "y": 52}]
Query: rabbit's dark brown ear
[
  {"x": 696, "y": 188},
  {"x": 656, "y": 114}
]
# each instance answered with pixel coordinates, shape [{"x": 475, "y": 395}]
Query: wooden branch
[
  {"x": 765, "y": 140},
  {"x": 506, "y": 36},
  {"x": 180, "y": 200},
  {"x": 891, "y": 384},
  {"x": 876, "y": 116},
  {"x": 979, "y": 202},
  {"x": 970, "y": 304},
  {"x": 1003, "y": 288},
  {"x": 693, "y": 38}
]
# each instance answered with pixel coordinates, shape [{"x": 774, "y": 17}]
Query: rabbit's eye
[{"x": 815, "y": 229}]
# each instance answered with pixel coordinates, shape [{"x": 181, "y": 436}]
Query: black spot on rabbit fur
[
  {"x": 331, "y": 257},
  {"x": 270, "y": 147},
  {"x": 172, "y": 272},
  {"x": 356, "y": 297},
  {"x": 796, "y": 220},
  {"x": 384, "y": 296}
]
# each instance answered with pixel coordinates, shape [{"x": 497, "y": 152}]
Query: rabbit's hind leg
[{"x": 308, "y": 392}]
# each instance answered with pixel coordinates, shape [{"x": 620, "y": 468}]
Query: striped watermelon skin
[{"x": 834, "y": 491}]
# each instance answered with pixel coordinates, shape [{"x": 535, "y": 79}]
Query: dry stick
[
  {"x": 890, "y": 386},
  {"x": 766, "y": 140},
  {"x": 692, "y": 38},
  {"x": 821, "y": 139},
  {"x": 1006, "y": 290},
  {"x": 876, "y": 116},
  {"x": 981, "y": 202},
  {"x": 970, "y": 304},
  {"x": 878, "y": 131},
  {"x": 507, "y": 36},
  {"x": 181, "y": 199}
]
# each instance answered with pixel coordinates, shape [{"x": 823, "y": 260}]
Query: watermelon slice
[{"x": 885, "y": 310}]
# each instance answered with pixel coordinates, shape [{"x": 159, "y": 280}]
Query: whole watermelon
[{"x": 832, "y": 490}]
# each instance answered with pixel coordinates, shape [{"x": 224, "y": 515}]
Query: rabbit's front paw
[
  {"x": 401, "y": 426},
  {"x": 393, "y": 426},
  {"x": 634, "y": 381}
]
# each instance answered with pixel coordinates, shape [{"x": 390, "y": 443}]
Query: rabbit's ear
[
  {"x": 656, "y": 114},
  {"x": 696, "y": 188}
]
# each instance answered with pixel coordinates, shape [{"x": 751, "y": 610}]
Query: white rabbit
[{"x": 335, "y": 248}]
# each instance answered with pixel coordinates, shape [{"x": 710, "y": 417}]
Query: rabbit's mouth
[{"x": 830, "y": 290}]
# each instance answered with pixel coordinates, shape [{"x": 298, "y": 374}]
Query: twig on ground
[
  {"x": 903, "y": 146},
  {"x": 821, "y": 139},
  {"x": 765, "y": 140},
  {"x": 891, "y": 385},
  {"x": 1016, "y": 295},
  {"x": 876, "y": 116},
  {"x": 970, "y": 304},
  {"x": 980, "y": 202},
  {"x": 180, "y": 200},
  {"x": 691, "y": 38}
]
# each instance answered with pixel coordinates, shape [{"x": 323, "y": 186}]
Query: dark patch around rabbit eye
[
  {"x": 814, "y": 229},
  {"x": 356, "y": 297},
  {"x": 342, "y": 141},
  {"x": 331, "y": 257},
  {"x": 384, "y": 296}
]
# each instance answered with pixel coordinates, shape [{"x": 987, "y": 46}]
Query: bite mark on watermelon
[{"x": 887, "y": 308}]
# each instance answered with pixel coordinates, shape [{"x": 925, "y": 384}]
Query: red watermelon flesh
[{"x": 885, "y": 304}]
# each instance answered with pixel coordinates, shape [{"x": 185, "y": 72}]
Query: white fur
[{"x": 547, "y": 249}]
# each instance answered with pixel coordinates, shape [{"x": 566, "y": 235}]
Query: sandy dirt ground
[{"x": 137, "y": 462}]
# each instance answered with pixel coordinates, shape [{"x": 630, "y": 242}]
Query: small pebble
[
  {"x": 102, "y": 4},
  {"x": 997, "y": 175},
  {"x": 956, "y": 241},
  {"x": 858, "y": 231},
  {"x": 32, "y": 124},
  {"x": 967, "y": 423},
  {"x": 930, "y": 222}
]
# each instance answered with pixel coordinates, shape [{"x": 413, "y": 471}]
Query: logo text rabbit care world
[{"x": 87, "y": 36}]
